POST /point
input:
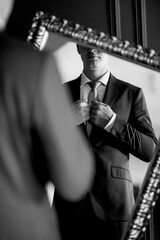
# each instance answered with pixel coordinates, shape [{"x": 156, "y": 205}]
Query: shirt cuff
[{"x": 110, "y": 124}]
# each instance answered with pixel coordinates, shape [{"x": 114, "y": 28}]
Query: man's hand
[
  {"x": 81, "y": 111},
  {"x": 101, "y": 114}
]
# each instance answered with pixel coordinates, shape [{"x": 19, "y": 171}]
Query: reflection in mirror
[{"x": 145, "y": 176}]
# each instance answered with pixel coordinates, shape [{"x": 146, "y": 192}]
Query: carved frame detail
[{"x": 43, "y": 22}]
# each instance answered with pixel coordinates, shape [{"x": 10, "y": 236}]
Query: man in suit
[
  {"x": 38, "y": 142},
  {"x": 119, "y": 125}
]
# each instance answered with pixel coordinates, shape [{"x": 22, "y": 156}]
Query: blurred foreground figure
[{"x": 38, "y": 141}]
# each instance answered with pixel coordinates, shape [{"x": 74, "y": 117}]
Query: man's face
[{"x": 92, "y": 58}]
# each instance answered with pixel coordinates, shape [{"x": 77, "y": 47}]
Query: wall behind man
[
  {"x": 91, "y": 13},
  {"x": 128, "y": 19}
]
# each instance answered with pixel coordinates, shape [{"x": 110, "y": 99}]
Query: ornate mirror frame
[{"x": 42, "y": 25}]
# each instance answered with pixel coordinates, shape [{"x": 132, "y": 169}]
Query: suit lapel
[
  {"x": 74, "y": 87},
  {"x": 110, "y": 97},
  {"x": 112, "y": 91}
]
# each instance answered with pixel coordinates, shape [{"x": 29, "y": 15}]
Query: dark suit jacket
[
  {"x": 112, "y": 193},
  {"x": 33, "y": 150}
]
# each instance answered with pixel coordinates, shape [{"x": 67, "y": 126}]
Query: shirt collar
[{"x": 104, "y": 79}]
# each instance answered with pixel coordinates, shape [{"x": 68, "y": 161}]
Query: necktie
[{"x": 93, "y": 95}]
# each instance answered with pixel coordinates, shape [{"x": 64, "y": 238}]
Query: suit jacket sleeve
[{"x": 136, "y": 135}]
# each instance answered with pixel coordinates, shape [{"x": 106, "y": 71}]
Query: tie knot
[
  {"x": 93, "y": 93},
  {"x": 94, "y": 84}
]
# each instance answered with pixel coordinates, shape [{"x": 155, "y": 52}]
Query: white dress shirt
[{"x": 85, "y": 89}]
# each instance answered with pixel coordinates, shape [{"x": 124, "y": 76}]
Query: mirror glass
[{"x": 70, "y": 66}]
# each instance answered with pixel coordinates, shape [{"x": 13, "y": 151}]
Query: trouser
[
  {"x": 89, "y": 226},
  {"x": 85, "y": 225}
]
